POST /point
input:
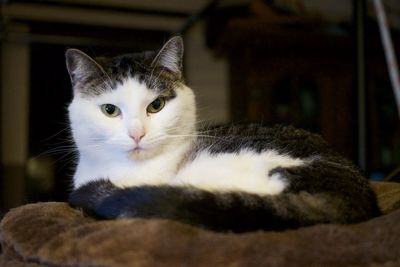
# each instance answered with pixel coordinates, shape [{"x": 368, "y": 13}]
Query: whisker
[{"x": 54, "y": 135}]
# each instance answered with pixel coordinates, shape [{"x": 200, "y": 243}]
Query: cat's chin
[{"x": 139, "y": 154}]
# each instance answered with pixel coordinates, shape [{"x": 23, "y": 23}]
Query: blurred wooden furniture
[{"x": 302, "y": 72}]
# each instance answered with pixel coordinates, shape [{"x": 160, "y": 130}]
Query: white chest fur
[{"x": 125, "y": 172}]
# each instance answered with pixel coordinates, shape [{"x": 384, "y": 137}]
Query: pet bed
[{"x": 54, "y": 234}]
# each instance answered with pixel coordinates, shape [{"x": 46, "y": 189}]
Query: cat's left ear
[
  {"x": 81, "y": 67},
  {"x": 171, "y": 56}
]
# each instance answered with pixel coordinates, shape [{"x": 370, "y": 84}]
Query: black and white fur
[{"x": 229, "y": 178}]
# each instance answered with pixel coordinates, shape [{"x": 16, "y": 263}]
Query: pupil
[
  {"x": 156, "y": 104},
  {"x": 110, "y": 109}
]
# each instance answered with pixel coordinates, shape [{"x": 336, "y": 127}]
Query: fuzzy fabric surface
[{"x": 54, "y": 234}]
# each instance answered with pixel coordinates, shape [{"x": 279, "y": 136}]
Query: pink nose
[{"x": 137, "y": 136}]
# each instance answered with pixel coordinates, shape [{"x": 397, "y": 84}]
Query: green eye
[
  {"x": 110, "y": 110},
  {"x": 156, "y": 105}
]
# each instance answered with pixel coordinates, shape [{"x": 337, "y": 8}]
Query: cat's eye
[
  {"x": 156, "y": 105},
  {"x": 110, "y": 110}
]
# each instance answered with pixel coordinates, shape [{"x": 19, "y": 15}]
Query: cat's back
[
  {"x": 246, "y": 157},
  {"x": 283, "y": 139}
]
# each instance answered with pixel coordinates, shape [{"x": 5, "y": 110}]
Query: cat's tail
[{"x": 220, "y": 211}]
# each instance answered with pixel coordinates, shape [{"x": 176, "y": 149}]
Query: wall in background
[{"x": 208, "y": 77}]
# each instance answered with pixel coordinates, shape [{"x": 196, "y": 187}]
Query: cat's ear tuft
[
  {"x": 171, "y": 55},
  {"x": 81, "y": 67}
]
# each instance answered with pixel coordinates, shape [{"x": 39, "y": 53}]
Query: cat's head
[{"x": 134, "y": 105}]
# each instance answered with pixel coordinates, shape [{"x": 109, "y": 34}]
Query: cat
[{"x": 133, "y": 120}]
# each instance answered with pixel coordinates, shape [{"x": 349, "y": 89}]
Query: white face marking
[{"x": 103, "y": 141}]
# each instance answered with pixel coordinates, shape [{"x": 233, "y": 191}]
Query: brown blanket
[{"x": 53, "y": 234}]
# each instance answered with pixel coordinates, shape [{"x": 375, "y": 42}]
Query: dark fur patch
[
  {"x": 140, "y": 66},
  {"x": 229, "y": 211}
]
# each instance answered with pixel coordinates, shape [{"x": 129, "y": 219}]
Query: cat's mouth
[{"x": 136, "y": 152}]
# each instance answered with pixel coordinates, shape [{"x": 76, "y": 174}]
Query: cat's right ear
[
  {"x": 81, "y": 67},
  {"x": 170, "y": 56}
]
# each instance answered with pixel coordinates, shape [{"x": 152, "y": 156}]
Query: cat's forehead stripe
[
  {"x": 126, "y": 67},
  {"x": 156, "y": 81}
]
